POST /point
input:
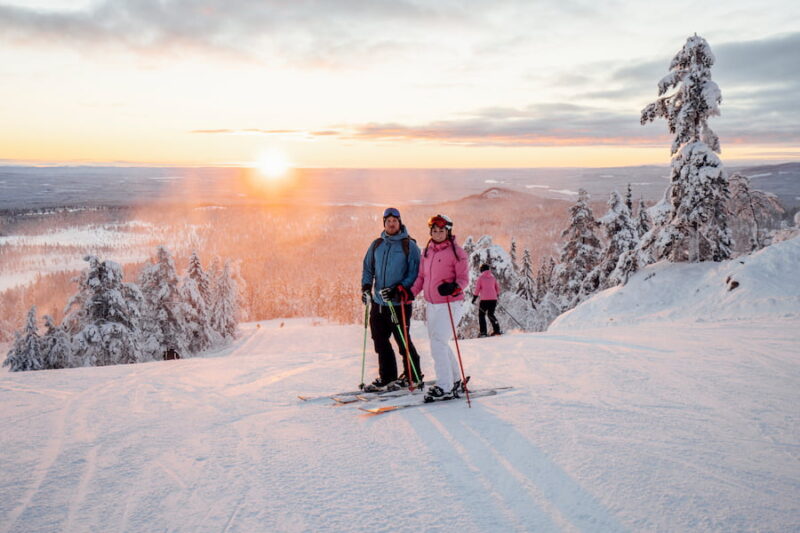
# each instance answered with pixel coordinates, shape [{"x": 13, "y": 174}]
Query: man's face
[{"x": 391, "y": 225}]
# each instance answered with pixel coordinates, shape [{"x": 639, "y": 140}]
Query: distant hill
[{"x": 782, "y": 180}]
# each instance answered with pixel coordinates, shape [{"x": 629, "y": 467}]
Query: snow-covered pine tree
[
  {"x": 629, "y": 199},
  {"x": 26, "y": 351},
  {"x": 513, "y": 254},
  {"x": 201, "y": 278},
  {"x": 225, "y": 305},
  {"x": 643, "y": 222},
  {"x": 697, "y": 228},
  {"x": 197, "y": 318},
  {"x": 544, "y": 277},
  {"x": 580, "y": 254},
  {"x": 469, "y": 245},
  {"x": 752, "y": 213},
  {"x": 56, "y": 345},
  {"x": 163, "y": 314},
  {"x": 526, "y": 287},
  {"x": 621, "y": 237},
  {"x": 104, "y": 317}
]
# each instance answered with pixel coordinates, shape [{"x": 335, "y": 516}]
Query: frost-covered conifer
[
  {"x": 621, "y": 237},
  {"x": 56, "y": 345},
  {"x": 163, "y": 315},
  {"x": 195, "y": 271},
  {"x": 469, "y": 245},
  {"x": 225, "y": 305},
  {"x": 197, "y": 318},
  {"x": 544, "y": 277},
  {"x": 753, "y": 212},
  {"x": 513, "y": 254},
  {"x": 581, "y": 251},
  {"x": 104, "y": 317},
  {"x": 697, "y": 227},
  {"x": 629, "y": 199},
  {"x": 26, "y": 352},
  {"x": 527, "y": 285},
  {"x": 643, "y": 222}
]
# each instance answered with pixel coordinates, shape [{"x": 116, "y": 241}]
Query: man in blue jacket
[{"x": 390, "y": 267}]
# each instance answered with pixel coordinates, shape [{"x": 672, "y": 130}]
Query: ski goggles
[
  {"x": 440, "y": 221},
  {"x": 391, "y": 212}
]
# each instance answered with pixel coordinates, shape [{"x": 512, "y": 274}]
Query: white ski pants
[{"x": 440, "y": 331}]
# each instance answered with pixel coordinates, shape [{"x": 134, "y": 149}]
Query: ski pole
[
  {"x": 405, "y": 344},
  {"x": 409, "y": 362},
  {"x": 458, "y": 351},
  {"x": 509, "y": 314},
  {"x": 364, "y": 353}
]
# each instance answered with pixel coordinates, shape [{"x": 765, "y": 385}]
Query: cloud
[
  {"x": 536, "y": 125},
  {"x": 314, "y": 31},
  {"x": 265, "y": 132}
]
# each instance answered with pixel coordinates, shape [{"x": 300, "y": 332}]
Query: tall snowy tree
[
  {"x": 163, "y": 314},
  {"x": 197, "y": 318},
  {"x": 697, "y": 228},
  {"x": 513, "y": 254},
  {"x": 752, "y": 211},
  {"x": 225, "y": 305},
  {"x": 581, "y": 251},
  {"x": 104, "y": 316},
  {"x": 643, "y": 222},
  {"x": 469, "y": 245},
  {"x": 527, "y": 284},
  {"x": 621, "y": 237},
  {"x": 195, "y": 272},
  {"x": 56, "y": 345},
  {"x": 544, "y": 277},
  {"x": 629, "y": 199},
  {"x": 26, "y": 352}
]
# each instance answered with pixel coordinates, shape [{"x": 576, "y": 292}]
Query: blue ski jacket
[{"x": 390, "y": 266}]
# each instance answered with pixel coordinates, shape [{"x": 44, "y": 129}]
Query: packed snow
[{"x": 681, "y": 417}]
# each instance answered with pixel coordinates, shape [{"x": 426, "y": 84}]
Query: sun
[{"x": 272, "y": 164}]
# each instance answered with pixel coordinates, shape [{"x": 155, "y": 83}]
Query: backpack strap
[{"x": 377, "y": 242}]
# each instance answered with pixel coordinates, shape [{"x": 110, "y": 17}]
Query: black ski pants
[
  {"x": 381, "y": 328},
  {"x": 487, "y": 307}
]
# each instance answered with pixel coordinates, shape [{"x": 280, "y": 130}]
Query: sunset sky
[{"x": 383, "y": 83}]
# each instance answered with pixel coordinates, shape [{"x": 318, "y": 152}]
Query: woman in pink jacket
[
  {"x": 487, "y": 289},
  {"x": 442, "y": 274}
]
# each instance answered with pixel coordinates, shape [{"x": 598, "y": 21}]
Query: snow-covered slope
[
  {"x": 665, "y": 423},
  {"x": 762, "y": 285}
]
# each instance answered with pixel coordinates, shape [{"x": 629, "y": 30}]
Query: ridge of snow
[{"x": 766, "y": 287}]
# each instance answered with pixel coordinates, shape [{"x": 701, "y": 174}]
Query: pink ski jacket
[
  {"x": 439, "y": 265},
  {"x": 487, "y": 288}
]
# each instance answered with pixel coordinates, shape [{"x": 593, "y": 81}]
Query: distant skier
[
  {"x": 389, "y": 269},
  {"x": 487, "y": 289},
  {"x": 442, "y": 274}
]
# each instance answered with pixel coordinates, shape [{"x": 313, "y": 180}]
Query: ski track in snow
[{"x": 661, "y": 427}]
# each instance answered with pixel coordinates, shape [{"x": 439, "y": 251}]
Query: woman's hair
[{"x": 484, "y": 267}]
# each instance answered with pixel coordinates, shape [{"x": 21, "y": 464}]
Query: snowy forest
[
  {"x": 302, "y": 261},
  {"x": 109, "y": 321}
]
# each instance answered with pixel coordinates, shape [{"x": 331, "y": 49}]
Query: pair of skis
[{"x": 401, "y": 399}]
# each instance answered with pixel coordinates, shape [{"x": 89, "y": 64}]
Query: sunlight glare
[{"x": 272, "y": 165}]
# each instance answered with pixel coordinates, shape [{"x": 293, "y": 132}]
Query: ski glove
[
  {"x": 474, "y": 299},
  {"x": 366, "y": 293},
  {"x": 450, "y": 288},
  {"x": 398, "y": 292},
  {"x": 388, "y": 293}
]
